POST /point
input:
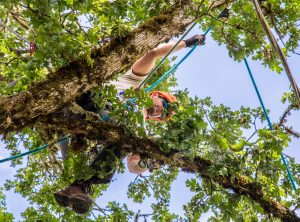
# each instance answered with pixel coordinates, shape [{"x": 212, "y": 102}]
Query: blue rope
[
  {"x": 222, "y": 14},
  {"x": 166, "y": 56},
  {"x": 269, "y": 123},
  {"x": 31, "y": 151},
  {"x": 175, "y": 66},
  {"x": 170, "y": 70}
]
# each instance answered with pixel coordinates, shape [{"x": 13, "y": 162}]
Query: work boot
[
  {"x": 62, "y": 197},
  {"x": 79, "y": 201},
  {"x": 75, "y": 196}
]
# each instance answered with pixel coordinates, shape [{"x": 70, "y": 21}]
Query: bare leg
[{"x": 144, "y": 65}]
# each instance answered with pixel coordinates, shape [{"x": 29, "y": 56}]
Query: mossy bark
[
  {"x": 62, "y": 87},
  {"x": 126, "y": 142}
]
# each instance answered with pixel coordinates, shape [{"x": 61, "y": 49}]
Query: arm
[
  {"x": 132, "y": 164},
  {"x": 144, "y": 65}
]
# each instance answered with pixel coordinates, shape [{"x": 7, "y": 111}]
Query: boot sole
[
  {"x": 80, "y": 205},
  {"x": 61, "y": 199}
]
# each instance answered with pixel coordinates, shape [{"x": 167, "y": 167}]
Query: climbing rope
[
  {"x": 170, "y": 70},
  {"x": 269, "y": 123},
  {"x": 166, "y": 56},
  {"x": 224, "y": 13},
  {"x": 253, "y": 81},
  {"x": 31, "y": 151}
]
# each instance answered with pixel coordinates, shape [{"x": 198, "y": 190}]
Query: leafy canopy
[{"x": 67, "y": 30}]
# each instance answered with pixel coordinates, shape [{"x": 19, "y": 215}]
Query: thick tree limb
[
  {"x": 277, "y": 49},
  {"x": 61, "y": 87},
  {"x": 130, "y": 143}
]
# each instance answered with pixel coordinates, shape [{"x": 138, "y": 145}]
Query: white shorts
[{"x": 129, "y": 79}]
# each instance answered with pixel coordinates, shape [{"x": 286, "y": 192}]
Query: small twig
[
  {"x": 296, "y": 207},
  {"x": 251, "y": 136},
  {"x": 207, "y": 118},
  {"x": 288, "y": 156},
  {"x": 284, "y": 115},
  {"x": 16, "y": 17},
  {"x": 137, "y": 215},
  {"x": 10, "y": 61},
  {"x": 15, "y": 33},
  {"x": 99, "y": 208},
  {"x": 86, "y": 35},
  {"x": 136, "y": 178},
  {"x": 232, "y": 25},
  {"x": 198, "y": 10},
  {"x": 255, "y": 130},
  {"x": 65, "y": 17},
  {"x": 291, "y": 131},
  {"x": 94, "y": 215},
  {"x": 36, "y": 12},
  {"x": 283, "y": 119},
  {"x": 278, "y": 32}
]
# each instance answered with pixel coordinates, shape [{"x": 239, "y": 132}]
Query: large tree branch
[
  {"x": 60, "y": 88},
  {"x": 277, "y": 49},
  {"x": 120, "y": 137}
]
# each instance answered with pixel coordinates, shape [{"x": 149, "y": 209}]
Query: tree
[{"x": 233, "y": 173}]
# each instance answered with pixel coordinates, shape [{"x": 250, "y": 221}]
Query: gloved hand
[{"x": 195, "y": 40}]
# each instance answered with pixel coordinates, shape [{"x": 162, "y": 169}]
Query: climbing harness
[{"x": 269, "y": 123}]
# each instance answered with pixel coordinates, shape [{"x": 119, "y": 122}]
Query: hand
[
  {"x": 201, "y": 39},
  {"x": 195, "y": 40}
]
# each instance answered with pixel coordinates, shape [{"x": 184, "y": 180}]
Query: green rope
[
  {"x": 269, "y": 123},
  {"x": 31, "y": 151}
]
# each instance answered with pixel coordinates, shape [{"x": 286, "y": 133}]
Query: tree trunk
[
  {"x": 60, "y": 88},
  {"x": 277, "y": 49},
  {"x": 118, "y": 136}
]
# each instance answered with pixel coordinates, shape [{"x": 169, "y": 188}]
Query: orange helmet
[{"x": 167, "y": 98}]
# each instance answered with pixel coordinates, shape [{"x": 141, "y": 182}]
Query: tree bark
[
  {"x": 277, "y": 49},
  {"x": 126, "y": 142},
  {"x": 62, "y": 87}
]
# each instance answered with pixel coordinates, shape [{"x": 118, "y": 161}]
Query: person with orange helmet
[{"x": 75, "y": 196}]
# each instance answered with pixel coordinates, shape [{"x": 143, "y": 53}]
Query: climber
[{"x": 75, "y": 195}]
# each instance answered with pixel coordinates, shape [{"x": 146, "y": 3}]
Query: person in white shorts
[{"x": 75, "y": 195}]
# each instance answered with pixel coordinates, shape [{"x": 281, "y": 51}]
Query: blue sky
[{"x": 207, "y": 72}]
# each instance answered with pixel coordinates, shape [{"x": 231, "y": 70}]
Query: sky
[{"x": 209, "y": 71}]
